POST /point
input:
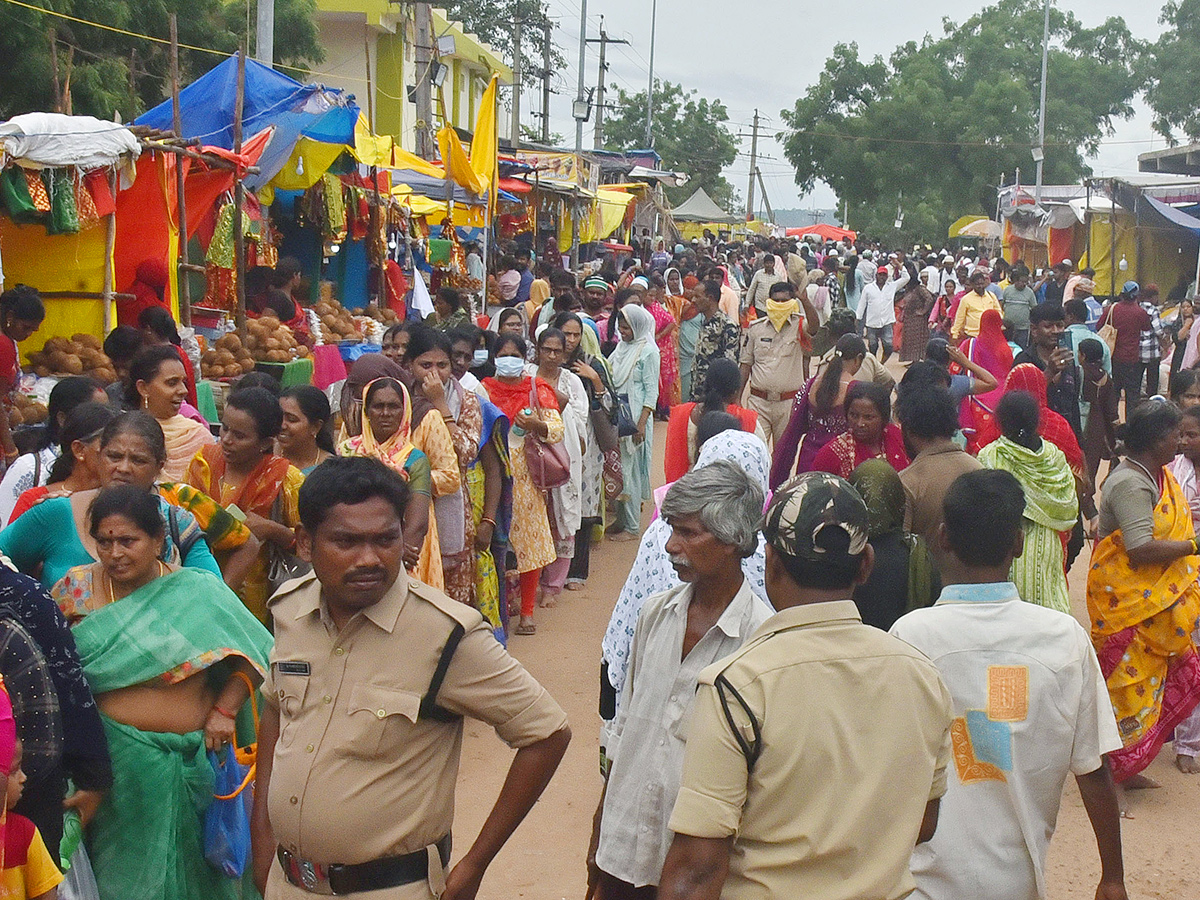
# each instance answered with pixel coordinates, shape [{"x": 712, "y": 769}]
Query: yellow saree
[{"x": 1141, "y": 621}]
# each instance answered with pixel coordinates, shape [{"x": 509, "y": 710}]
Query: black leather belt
[{"x": 336, "y": 878}]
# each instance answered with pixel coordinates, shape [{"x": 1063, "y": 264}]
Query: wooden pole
[
  {"x": 185, "y": 287},
  {"x": 110, "y": 242},
  {"x": 53, "y": 35},
  {"x": 239, "y": 194}
]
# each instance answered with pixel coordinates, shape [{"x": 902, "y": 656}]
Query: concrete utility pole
[
  {"x": 423, "y": 56},
  {"x": 546, "y": 73},
  {"x": 1040, "y": 152},
  {"x": 264, "y": 33},
  {"x": 518, "y": 74},
  {"x": 604, "y": 40},
  {"x": 753, "y": 170},
  {"x": 650, "y": 89},
  {"x": 580, "y": 113}
]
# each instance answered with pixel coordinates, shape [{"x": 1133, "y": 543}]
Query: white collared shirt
[
  {"x": 649, "y": 735},
  {"x": 1032, "y": 708}
]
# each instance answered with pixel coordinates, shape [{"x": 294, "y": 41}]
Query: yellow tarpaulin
[
  {"x": 960, "y": 224},
  {"x": 608, "y": 213},
  {"x": 402, "y": 159},
  {"x": 309, "y": 161},
  {"x": 458, "y": 167},
  {"x": 1108, "y": 266},
  {"x": 58, "y": 262},
  {"x": 486, "y": 142},
  {"x": 371, "y": 149}
]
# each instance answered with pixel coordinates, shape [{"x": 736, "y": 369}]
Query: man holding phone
[{"x": 1050, "y": 351}]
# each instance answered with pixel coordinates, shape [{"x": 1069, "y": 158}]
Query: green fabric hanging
[
  {"x": 14, "y": 193},
  {"x": 64, "y": 214}
]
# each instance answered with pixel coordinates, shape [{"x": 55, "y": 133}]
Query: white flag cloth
[{"x": 420, "y": 295}]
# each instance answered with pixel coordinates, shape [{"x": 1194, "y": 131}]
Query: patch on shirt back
[
  {"x": 977, "y": 745},
  {"x": 1008, "y": 693}
]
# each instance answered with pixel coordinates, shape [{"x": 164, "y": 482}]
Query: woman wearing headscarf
[
  {"x": 665, "y": 328},
  {"x": 690, "y": 322},
  {"x": 918, "y": 304},
  {"x": 1051, "y": 503},
  {"x": 365, "y": 370},
  {"x": 635, "y": 365},
  {"x": 551, "y": 255},
  {"x": 989, "y": 349},
  {"x": 385, "y": 434},
  {"x": 148, "y": 289},
  {"x": 652, "y": 572},
  {"x": 903, "y": 577},
  {"x": 1053, "y": 427},
  {"x": 599, "y": 467}
]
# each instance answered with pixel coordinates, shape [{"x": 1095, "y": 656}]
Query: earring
[{"x": 145, "y": 403}]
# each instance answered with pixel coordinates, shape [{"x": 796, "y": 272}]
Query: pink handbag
[{"x": 549, "y": 465}]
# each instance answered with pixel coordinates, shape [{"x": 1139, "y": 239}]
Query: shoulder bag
[{"x": 549, "y": 465}]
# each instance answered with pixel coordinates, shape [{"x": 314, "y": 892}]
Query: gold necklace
[{"x": 109, "y": 582}]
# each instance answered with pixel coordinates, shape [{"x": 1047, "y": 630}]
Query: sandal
[{"x": 526, "y": 629}]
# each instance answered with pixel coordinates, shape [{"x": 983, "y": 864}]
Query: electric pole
[
  {"x": 264, "y": 33},
  {"x": 650, "y": 90},
  {"x": 753, "y": 170},
  {"x": 517, "y": 76},
  {"x": 604, "y": 40},
  {"x": 423, "y": 56},
  {"x": 546, "y": 28}
]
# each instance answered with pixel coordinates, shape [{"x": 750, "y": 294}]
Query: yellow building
[{"x": 348, "y": 27}]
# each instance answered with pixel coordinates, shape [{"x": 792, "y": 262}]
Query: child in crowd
[{"x": 28, "y": 873}]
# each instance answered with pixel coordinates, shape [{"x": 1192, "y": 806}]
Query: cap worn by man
[{"x": 761, "y": 805}]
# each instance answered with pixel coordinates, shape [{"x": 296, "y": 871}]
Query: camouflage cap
[{"x": 807, "y": 505}]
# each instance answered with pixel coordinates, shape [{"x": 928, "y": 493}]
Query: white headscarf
[
  {"x": 625, "y": 357},
  {"x": 652, "y": 572}
]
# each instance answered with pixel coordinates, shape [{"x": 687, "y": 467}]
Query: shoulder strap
[
  {"x": 37, "y": 468},
  {"x": 429, "y": 705},
  {"x": 751, "y": 751},
  {"x": 185, "y": 546}
]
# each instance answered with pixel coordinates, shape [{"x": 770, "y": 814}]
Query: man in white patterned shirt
[{"x": 714, "y": 514}]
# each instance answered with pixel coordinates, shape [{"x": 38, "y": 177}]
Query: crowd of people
[{"x": 761, "y": 725}]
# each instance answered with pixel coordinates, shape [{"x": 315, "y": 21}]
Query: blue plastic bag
[{"x": 227, "y": 820}]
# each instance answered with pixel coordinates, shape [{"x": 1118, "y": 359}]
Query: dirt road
[{"x": 545, "y": 859}]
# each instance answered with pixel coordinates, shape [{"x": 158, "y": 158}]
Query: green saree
[
  {"x": 1051, "y": 510},
  {"x": 146, "y": 841}
]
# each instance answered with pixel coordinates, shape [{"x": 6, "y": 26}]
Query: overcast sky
[{"x": 765, "y": 54}]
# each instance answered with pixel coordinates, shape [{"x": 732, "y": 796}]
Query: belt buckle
[
  {"x": 774, "y": 396},
  {"x": 303, "y": 873}
]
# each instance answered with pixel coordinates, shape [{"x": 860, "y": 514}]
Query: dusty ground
[{"x": 545, "y": 859}]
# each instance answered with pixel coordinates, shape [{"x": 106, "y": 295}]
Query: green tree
[
  {"x": 106, "y": 72},
  {"x": 932, "y": 128},
  {"x": 689, "y": 133},
  {"x": 1171, "y": 67},
  {"x": 493, "y": 21}
]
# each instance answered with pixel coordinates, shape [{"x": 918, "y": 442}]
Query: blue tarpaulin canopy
[{"x": 272, "y": 99}]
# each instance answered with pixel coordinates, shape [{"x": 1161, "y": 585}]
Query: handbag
[
  {"x": 227, "y": 819},
  {"x": 548, "y": 464},
  {"x": 626, "y": 426},
  {"x": 281, "y": 565}
]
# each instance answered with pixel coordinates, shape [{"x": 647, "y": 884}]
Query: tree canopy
[
  {"x": 689, "y": 133},
  {"x": 104, "y": 72},
  {"x": 1171, "y": 67},
  {"x": 931, "y": 129},
  {"x": 493, "y": 21}
]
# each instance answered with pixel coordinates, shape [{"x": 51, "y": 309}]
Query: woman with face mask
[{"x": 511, "y": 390}]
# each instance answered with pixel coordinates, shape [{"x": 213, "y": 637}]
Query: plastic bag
[
  {"x": 80, "y": 881},
  {"x": 227, "y": 820}
]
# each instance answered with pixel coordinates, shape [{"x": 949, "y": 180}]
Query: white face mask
[
  {"x": 479, "y": 357},
  {"x": 509, "y": 366}
]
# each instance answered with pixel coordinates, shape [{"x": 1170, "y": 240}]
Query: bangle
[
  {"x": 226, "y": 713},
  {"x": 489, "y": 520},
  {"x": 1195, "y": 548}
]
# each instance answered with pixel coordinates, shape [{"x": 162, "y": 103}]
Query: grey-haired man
[{"x": 714, "y": 514}]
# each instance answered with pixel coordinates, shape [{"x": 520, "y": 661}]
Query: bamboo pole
[
  {"x": 110, "y": 243},
  {"x": 185, "y": 287},
  {"x": 239, "y": 194},
  {"x": 376, "y": 210}
]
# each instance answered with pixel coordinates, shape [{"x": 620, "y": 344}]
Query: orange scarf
[{"x": 256, "y": 494}]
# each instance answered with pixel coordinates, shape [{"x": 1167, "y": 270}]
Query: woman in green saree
[
  {"x": 1051, "y": 503},
  {"x": 164, "y": 650}
]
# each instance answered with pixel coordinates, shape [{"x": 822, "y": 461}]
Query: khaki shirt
[
  {"x": 775, "y": 358},
  {"x": 357, "y": 774},
  {"x": 926, "y": 480},
  {"x": 855, "y": 742}
]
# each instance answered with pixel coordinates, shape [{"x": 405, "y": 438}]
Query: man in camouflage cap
[{"x": 817, "y": 753}]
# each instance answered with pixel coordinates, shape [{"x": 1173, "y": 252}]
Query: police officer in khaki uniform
[
  {"x": 370, "y": 678},
  {"x": 773, "y": 360},
  {"x": 817, "y": 754}
]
